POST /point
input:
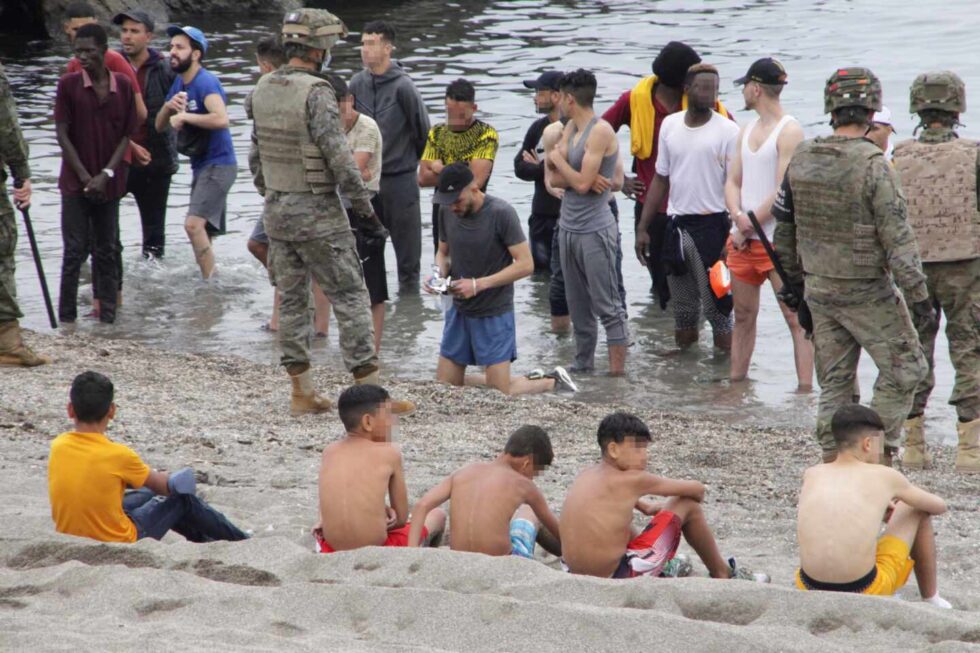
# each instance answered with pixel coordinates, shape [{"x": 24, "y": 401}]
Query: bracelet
[{"x": 474, "y": 286}]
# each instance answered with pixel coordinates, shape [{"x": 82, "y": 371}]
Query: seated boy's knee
[{"x": 684, "y": 507}]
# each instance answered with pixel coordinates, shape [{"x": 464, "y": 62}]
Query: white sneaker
[{"x": 561, "y": 376}]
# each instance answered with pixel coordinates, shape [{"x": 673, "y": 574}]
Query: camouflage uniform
[
  {"x": 841, "y": 223},
  {"x": 309, "y": 235},
  {"x": 13, "y": 154}
]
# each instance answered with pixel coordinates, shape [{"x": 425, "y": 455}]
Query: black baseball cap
[
  {"x": 547, "y": 80},
  {"x": 138, "y": 15},
  {"x": 452, "y": 180},
  {"x": 764, "y": 71}
]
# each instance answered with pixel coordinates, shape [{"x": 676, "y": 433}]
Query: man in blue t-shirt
[{"x": 196, "y": 108}]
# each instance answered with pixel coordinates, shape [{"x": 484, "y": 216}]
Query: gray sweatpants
[
  {"x": 588, "y": 264},
  {"x": 403, "y": 219}
]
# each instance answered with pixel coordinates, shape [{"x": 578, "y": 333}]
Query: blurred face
[
  {"x": 465, "y": 202},
  {"x": 134, "y": 37},
  {"x": 89, "y": 54},
  {"x": 879, "y": 135},
  {"x": 750, "y": 93},
  {"x": 375, "y": 50},
  {"x": 182, "y": 55},
  {"x": 347, "y": 108},
  {"x": 630, "y": 454},
  {"x": 545, "y": 100},
  {"x": 380, "y": 423},
  {"x": 702, "y": 92},
  {"x": 72, "y": 25},
  {"x": 459, "y": 114}
]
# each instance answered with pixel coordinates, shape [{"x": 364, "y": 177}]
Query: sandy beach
[{"x": 228, "y": 418}]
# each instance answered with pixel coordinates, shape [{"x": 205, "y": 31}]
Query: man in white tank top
[{"x": 765, "y": 146}]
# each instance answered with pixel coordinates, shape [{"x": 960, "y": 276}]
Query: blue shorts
[
  {"x": 478, "y": 340},
  {"x": 523, "y": 534}
]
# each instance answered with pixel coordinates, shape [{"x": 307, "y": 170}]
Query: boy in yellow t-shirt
[{"x": 88, "y": 475}]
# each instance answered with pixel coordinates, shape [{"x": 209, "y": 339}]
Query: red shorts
[
  {"x": 396, "y": 537},
  {"x": 751, "y": 265},
  {"x": 649, "y": 551}
]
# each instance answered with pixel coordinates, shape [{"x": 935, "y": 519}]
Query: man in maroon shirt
[
  {"x": 666, "y": 94},
  {"x": 95, "y": 114}
]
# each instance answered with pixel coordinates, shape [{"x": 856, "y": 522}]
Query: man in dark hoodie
[
  {"x": 385, "y": 93},
  {"x": 149, "y": 184}
]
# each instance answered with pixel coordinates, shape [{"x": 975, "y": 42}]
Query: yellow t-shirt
[
  {"x": 479, "y": 141},
  {"x": 87, "y": 474}
]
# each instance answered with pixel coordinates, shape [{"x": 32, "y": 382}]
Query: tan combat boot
[
  {"x": 13, "y": 351},
  {"x": 304, "y": 398},
  {"x": 916, "y": 456},
  {"x": 372, "y": 375},
  {"x": 968, "y": 453}
]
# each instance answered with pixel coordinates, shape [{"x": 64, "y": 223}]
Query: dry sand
[{"x": 227, "y": 418}]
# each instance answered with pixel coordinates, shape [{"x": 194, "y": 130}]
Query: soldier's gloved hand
[
  {"x": 182, "y": 481},
  {"x": 791, "y": 295},
  {"x": 924, "y": 317},
  {"x": 372, "y": 232}
]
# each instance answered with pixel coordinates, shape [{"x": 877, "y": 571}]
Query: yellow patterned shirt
[{"x": 480, "y": 141}]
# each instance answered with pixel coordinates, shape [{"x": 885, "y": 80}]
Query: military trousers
[
  {"x": 334, "y": 263},
  {"x": 869, "y": 315},
  {"x": 954, "y": 290},
  {"x": 9, "y": 310}
]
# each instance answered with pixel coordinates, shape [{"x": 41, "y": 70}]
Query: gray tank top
[{"x": 586, "y": 213}]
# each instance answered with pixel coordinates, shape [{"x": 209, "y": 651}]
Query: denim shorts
[{"x": 478, "y": 340}]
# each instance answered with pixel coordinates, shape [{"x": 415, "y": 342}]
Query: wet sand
[{"x": 228, "y": 418}]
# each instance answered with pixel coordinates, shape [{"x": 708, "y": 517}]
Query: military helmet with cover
[
  {"x": 314, "y": 28},
  {"x": 943, "y": 90},
  {"x": 852, "y": 87}
]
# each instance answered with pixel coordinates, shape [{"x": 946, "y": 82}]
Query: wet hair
[
  {"x": 91, "y": 396},
  {"x": 385, "y": 29},
  {"x": 696, "y": 70},
  {"x": 672, "y": 63},
  {"x": 461, "y": 90},
  {"x": 616, "y": 427},
  {"x": 529, "y": 440},
  {"x": 269, "y": 50},
  {"x": 850, "y": 116},
  {"x": 581, "y": 85},
  {"x": 852, "y": 422},
  {"x": 340, "y": 88},
  {"x": 79, "y": 10},
  {"x": 359, "y": 400},
  {"x": 95, "y": 32}
]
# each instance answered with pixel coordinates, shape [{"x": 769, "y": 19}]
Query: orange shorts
[
  {"x": 396, "y": 537},
  {"x": 751, "y": 265},
  {"x": 892, "y": 563}
]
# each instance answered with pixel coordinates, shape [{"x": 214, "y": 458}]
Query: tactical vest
[
  {"x": 291, "y": 161},
  {"x": 940, "y": 180},
  {"x": 835, "y": 230}
]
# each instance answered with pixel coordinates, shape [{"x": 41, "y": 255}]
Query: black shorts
[{"x": 373, "y": 261}]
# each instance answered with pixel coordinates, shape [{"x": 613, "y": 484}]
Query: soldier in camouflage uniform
[
  {"x": 299, "y": 159},
  {"x": 13, "y": 155},
  {"x": 841, "y": 223},
  {"x": 939, "y": 173}
]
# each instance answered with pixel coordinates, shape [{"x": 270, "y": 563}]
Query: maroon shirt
[{"x": 94, "y": 128}]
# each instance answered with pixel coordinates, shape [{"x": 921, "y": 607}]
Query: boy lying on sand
[
  {"x": 358, "y": 471},
  {"x": 88, "y": 475},
  {"x": 840, "y": 515},
  {"x": 496, "y": 508},
  {"x": 596, "y": 521}
]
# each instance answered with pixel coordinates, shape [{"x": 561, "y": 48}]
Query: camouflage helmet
[
  {"x": 852, "y": 87},
  {"x": 315, "y": 28},
  {"x": 942, "y": 90}
]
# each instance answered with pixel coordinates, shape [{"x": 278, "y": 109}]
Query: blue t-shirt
[{"x": 220, "y": 149}]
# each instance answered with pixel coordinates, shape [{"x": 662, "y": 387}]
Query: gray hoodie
[{"x": 395, "y": 104}]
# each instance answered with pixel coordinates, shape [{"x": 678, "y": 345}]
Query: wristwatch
[{"x": 109, "y": 173}]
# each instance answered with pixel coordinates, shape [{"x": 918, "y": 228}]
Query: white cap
[{"x": 884, "y": 117}]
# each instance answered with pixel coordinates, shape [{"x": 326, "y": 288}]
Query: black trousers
[
  {"x": 541, "y": 231},
  {"x": 89, "y": 227},
  {"x": 150, "y": 189}
]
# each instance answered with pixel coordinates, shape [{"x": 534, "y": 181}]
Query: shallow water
[{"x": 496, "y": 45}]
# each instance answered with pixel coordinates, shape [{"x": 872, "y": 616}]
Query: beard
[
  {"x": 179, "y": 65},
  {"x": 545, "y": 108}
]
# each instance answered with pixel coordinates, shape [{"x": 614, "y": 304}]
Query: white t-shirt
[
  {"x": 696, "y": 160},
  {"x": 365, "y": 136}
]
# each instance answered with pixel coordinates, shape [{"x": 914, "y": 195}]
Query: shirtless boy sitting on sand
[
  {"x": 840, "y": 515},
  {"x": 357, "y": 472},
  {"x": 597, "y": 536},
  {"x": 496, "y": 508}
]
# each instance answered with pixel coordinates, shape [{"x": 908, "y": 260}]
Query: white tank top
[{"x": 759, "y": 170}]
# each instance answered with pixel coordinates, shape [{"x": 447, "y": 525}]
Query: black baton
[
  {"x": 18, "y": 183},
  {"x": 803, "y": 311}
]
